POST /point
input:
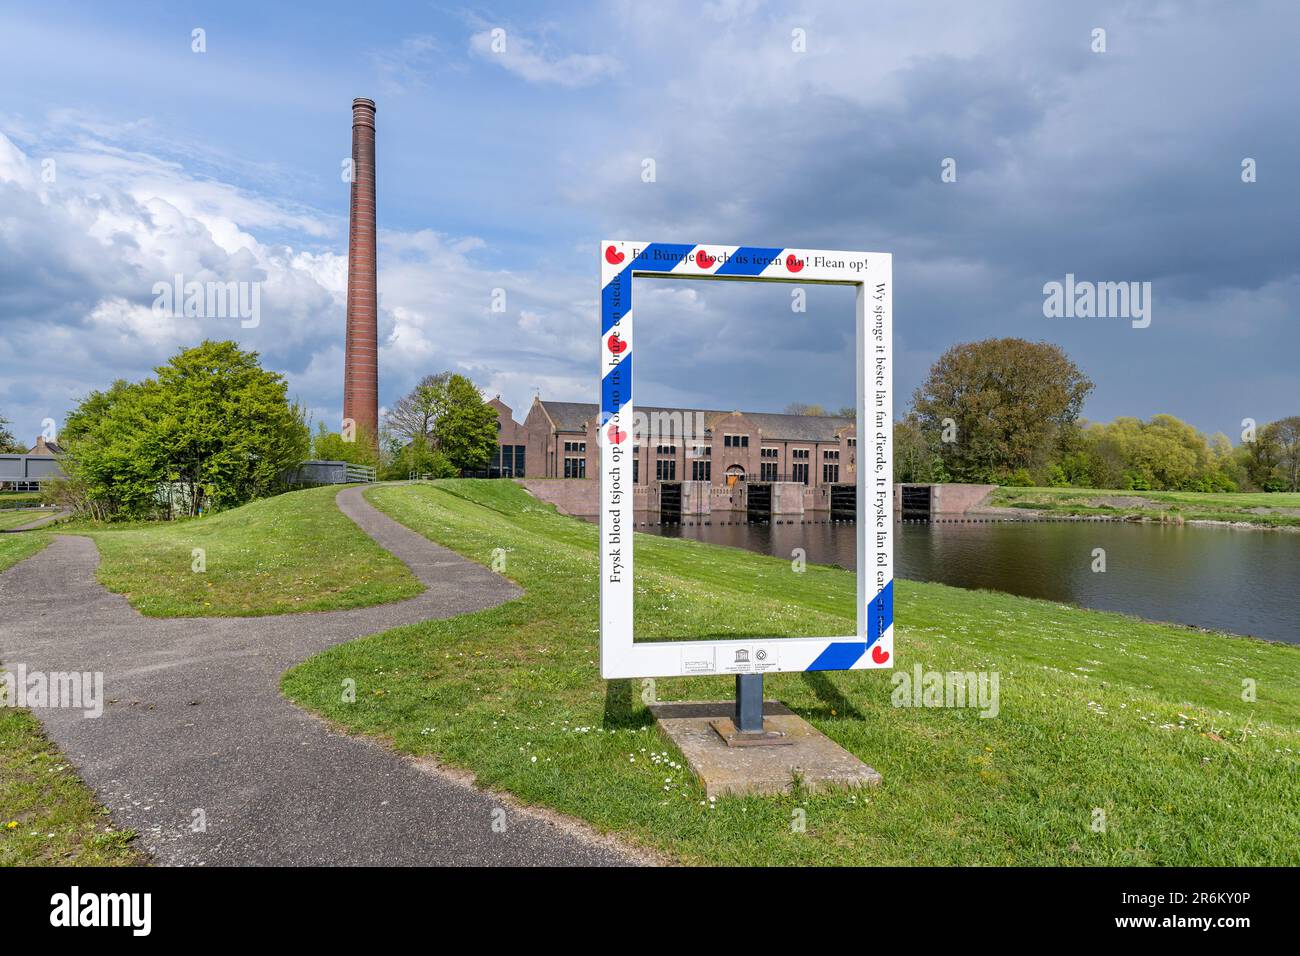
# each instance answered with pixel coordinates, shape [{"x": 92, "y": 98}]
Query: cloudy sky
[{"x": 126, "y": 158}]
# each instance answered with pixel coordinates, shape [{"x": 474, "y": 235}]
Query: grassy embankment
[
  {"x": 294, "y": 552},
  {"x": 1098, "y": 712},
  {"x": 1278, "y": 510},
  {"x": 47, "y": 815},
  {"x": 16, "y": 519}
]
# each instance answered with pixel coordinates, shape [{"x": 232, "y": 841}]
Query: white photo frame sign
[{"x": 870, "y": 273}]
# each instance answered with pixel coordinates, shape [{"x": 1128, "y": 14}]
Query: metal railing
[
  {"x": 761, "y": 479},
  {"x": 360, "y": 472}
]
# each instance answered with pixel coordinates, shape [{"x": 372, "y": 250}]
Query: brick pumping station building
[{"x": 687, "y": 462}]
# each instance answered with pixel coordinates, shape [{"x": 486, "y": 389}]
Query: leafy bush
[{"x": 212, "y": 429}]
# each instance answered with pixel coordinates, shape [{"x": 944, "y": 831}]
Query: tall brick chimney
[{"x": 361, "y": 361}]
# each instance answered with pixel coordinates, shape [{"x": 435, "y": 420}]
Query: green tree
[
  {"x": 412, "y": 416},
  {"x": 212, "y": 425},
  {"x": 1012, "y": 404},
  {"x": 332, "y": 446},
  {"x": 1169, "y": 454},
  {"x": 466, "y": 429},
  {"x": 9, "y": 444},
  {"x": 1161, "y": 454},
  {"x": 1284, "y": 437},
  {"x": 445, "y": 413},
  {"x": 915, "y": 457},
  {"x": 1259, "y": 460},
  {"x": 418, "y": 460}
]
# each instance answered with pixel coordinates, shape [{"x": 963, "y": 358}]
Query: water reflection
[{"x": 1247, "y": 582}]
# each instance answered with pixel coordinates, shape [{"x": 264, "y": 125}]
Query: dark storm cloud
[{"x": 1115, "y": 166}]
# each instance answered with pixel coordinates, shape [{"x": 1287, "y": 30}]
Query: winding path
[
  {"x": 195, "y": 720},
  {"x": 40, "y": 522}
]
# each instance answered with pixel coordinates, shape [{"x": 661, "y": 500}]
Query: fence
[{"x": 329, "y": 473}]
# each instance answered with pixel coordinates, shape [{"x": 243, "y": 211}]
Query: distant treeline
[{"x": 1006, "y": 411}]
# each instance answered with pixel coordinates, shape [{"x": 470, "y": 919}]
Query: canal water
[{"x": 1242, "y": 581}]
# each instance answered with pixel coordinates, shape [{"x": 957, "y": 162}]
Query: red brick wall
[
  {"x": 572, "y": 496},
  {"x": 361, "y": 359}
]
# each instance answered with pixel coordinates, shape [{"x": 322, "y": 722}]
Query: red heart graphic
[
  {"x": 704, "y": 260},
  {"x": 616, "y": 345},
  {"x": 615, "y": 435},
  {"x": 879, "y": 654},
  {"x": 613, "y": 256},
  {"x": 793, "y": 264}
]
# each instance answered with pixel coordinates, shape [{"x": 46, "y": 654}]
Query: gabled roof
[
  {"x": 45, "y": 449},
  {"x": 569, "y": 416},
  {"x": 573, "y": 417}
]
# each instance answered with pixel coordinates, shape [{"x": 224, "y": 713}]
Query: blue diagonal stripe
[
  {"x": 842, "y": 655},
  {"x": 616, "y": 388},
  {"x": 880, "y": 614},
  {"x": 838, "y": 656},
  {"x": 748, "y": 261},
  {"x": 661, "y": 257},
  {"x": 615, "y": 301}
]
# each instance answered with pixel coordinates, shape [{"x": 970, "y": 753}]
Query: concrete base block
[{"x": 816, "y": 760}]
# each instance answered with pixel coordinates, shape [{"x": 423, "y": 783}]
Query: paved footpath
[
  {"x": 40, "y": 522},
  {"x": 195, "y": 720}
]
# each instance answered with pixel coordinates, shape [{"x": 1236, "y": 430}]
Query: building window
[
  {"x": 575, "y": 459},
  {"x": 666, "y": 469},
  {"x": 701, "y": 471},
  {"x": 799, "y": 454},
  {"x": 830, "y": 474},
  {"x": 735, "y": 441},
  {"x": 799, "y": 472},
  {"x": 767, "y": 471},
  {"x": 853, "y": 442},
  {"x": 769, "y": 453},
  {"x": 831, "y": 454},
  {"x": 636, "y": 470},
  {"x": 666, "y": 450},
  {"x": 507, "y": 461}
]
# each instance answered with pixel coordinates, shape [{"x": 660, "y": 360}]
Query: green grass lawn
[
  {"x": 47, "y": 815},
  {"x": 294, "y": 552},
  {"x": 1098, "y": 712},
  {"x": 1157, "y": 505},
  {"x": 19, "y": 547},
  {"x": 15, "y": 519}
]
